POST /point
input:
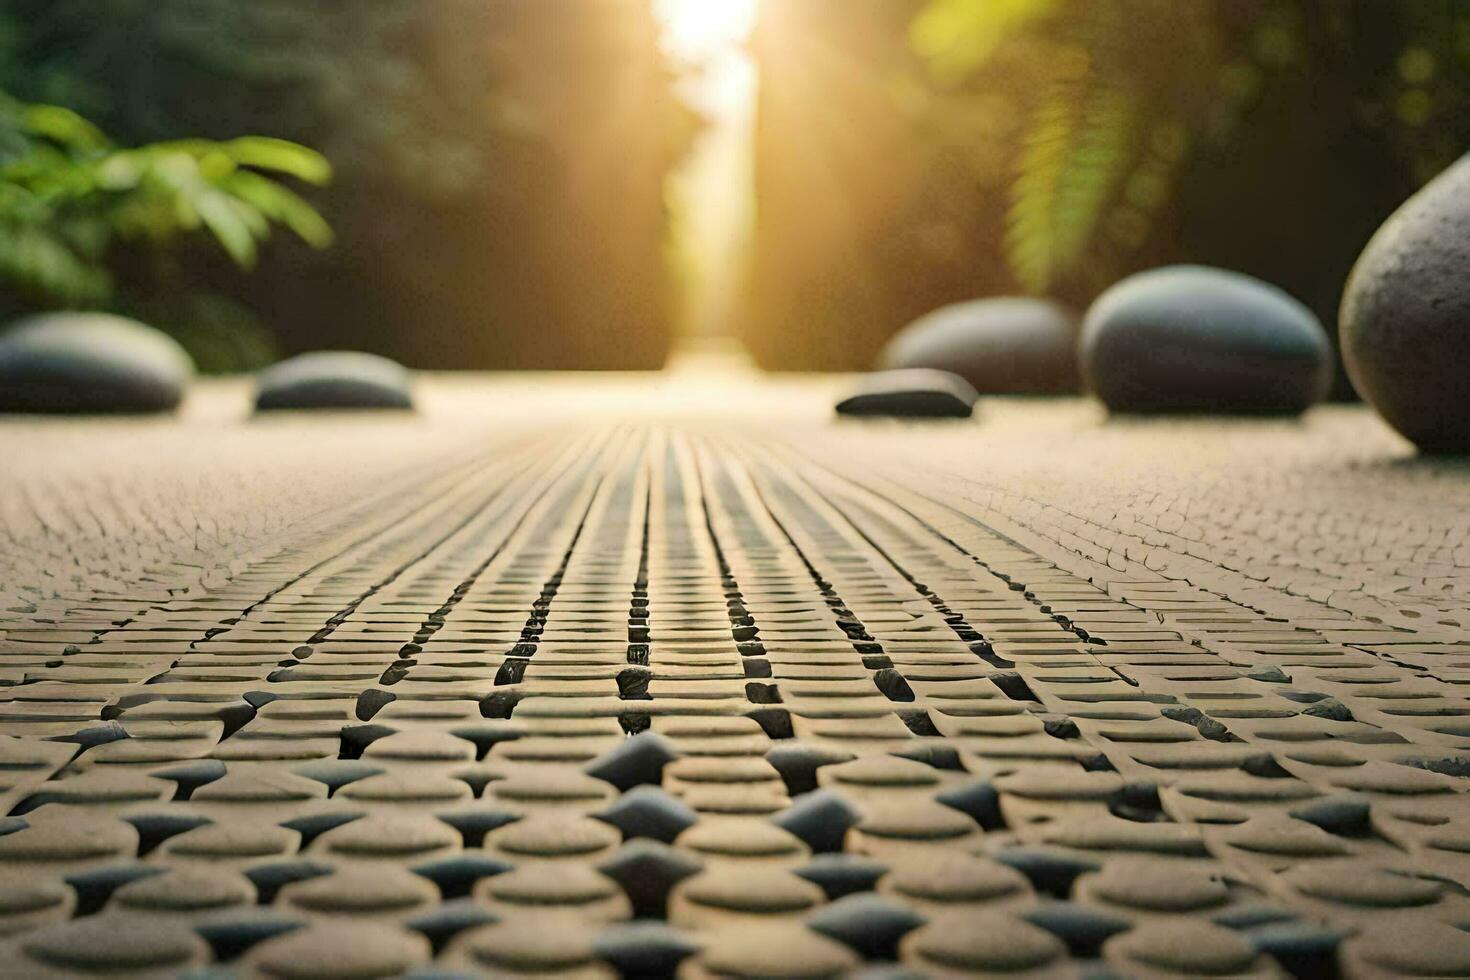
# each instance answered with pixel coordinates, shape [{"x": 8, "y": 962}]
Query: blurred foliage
[
  {"x": 1103, "y": 104},
  {"x": 67, "y": 194},
  {"x": 468, "y": 190}
]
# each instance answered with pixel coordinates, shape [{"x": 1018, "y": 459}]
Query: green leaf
[
  {"x": 221, "y": 215},
  {"x": 1076, "y": 154},
  {"x": 282, "y": 204},
  {"x": 64, "y": 127},
  {"x": 282, "y": 156},
  {"x": 956, "y": 37}
]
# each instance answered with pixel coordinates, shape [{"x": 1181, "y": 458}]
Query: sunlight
[{"x": 697, "y": 29}]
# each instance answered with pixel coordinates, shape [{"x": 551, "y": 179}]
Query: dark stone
[
  {"x": 637, "y": 761},
  {"x": 647, "y": 871},
  {"x": 647, "y": 811},
  {"x": 915, "y": 393},
  {"x": 1405, "y": 317},
  {"x": 1001, "y": 346},
  {"x": 843, "y": 874},
  {"x": 333, "y": 379},
  {"x": 821, "y": 819},
  {"x": 870, "y": 924},
  {"x": 449, "y": 919},
  {"x": 90, "y": 363},
  {"x": 644, "y": 948},
  {"x": 1195, "y": 339},
  {"x": 1084, "y": 929},
  {"x": 798, "y": 764}
]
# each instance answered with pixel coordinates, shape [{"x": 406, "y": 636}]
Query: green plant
[
  {"x": 1115, "y": 97},
  {"x": 68, "y": 194}
]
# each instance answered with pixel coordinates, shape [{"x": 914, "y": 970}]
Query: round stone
[
  {"x": 779, "y": 950},
  {"x": 1405, "y": 317},
  {"x": 340, "y": 947},
  {"x": 529, "y": 944},
  {"x": 1183, "y": 946},
  {"x": 1413, "y": 946},
  {"x": 954, "y": 877},
  {"x": 983, "y": 942},
  {"x": 752, "y": 888},
  {"x": 333, "y": 379},
  {"x": 555, "y": 836},
  {"x": 1352, "y": 883},
  {"x": 106, "y": 943},
  {"x": 1195, "y": 339},
  {"x": 1001, "y": 346},
  {"x": 362, "y": 890},
  {"x": 90, "y": 363},
  {"x": 913, "y": 393},
  {"x": 1160, "y": 886},
  {"x": 194, "y": 889}
]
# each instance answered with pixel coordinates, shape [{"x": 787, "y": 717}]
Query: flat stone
[
  {"x": 90, "y": 363},
  {"x": 1195, "y": 339},
  {"x": 1353, "y": 883},
  {"x": 1416, "y": 946},
  {"x": 1001, "y": 346},
  {"x": 107, "y": 943},
  {"x": 1159, "y": 886},
  {"x": 983, "y": 942},
  {"x": 333, "y": 380},
  {"x": 1183, "y": 946},
  {"x": 341, "y": 948},
  {"x": 790, "y": 952},
  {"x": 1404, "y": 313},
  {"x": 914, "y": 393},
  {"x": 751, "y": 888}
]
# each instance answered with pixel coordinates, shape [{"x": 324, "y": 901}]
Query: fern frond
[
  {"x": 1076, "y": 153},
  {"x": 956, "y": 37}
]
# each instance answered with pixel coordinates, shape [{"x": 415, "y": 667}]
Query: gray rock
[
  {"x": 913, "y": 393},
  {"x": 333, "y": 379},
  {"x": 90, "y": 363},
  {"x": 1405, "y": 318},
  {"x": 1002, "y": 346},
  {"x": 1195, "y": 339}
]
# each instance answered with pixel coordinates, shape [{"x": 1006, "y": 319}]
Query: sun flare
[{"x": 696, "y": 29}]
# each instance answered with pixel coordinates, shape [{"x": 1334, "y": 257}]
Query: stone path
[{"x": 688, "y": 678}]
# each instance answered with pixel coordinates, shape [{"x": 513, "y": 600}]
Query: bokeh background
[{"x": 582, "y": 183}]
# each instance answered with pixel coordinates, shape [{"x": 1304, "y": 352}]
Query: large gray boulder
[
  {"x": 79, "y": 363},
  {"x": 1002, "y": 346},
  {"x": 914, "y": 393},
  {"x": 1405, "y": 321},
  {"x": 334, "y": 380},
  {"x": 1194, "y": 339}
]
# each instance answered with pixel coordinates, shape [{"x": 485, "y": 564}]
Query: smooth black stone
[
  {"x": 1195, "y": 339},
  {"x": 1082, "y": 928},
  {"x": 821, "y": 819},
  {"x": 842, "y": 874},
  {"x": 914, "y": 393},
  {"x": 1050, "y": 870},
  {"x": 637, "y": 761},
  {"x": 647, "y": 811},
  {"x": 333, "y": 380},
  {"x": 1001, "y": 346},
  {"x": 644, "y": 949},
  {"x": 870, "y": 924},
  {"x": 455, "y": 877},
  {"x": 231, "y": 937},
  {"x": 1405, "y": 320},
  {"x": 336, "y": 773},
  {"x": 798, "y": 764},
  {"x": 647, "y": 871},
  {"x": 449, "y": 919},
  {"x": 90, "y": 363}
]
